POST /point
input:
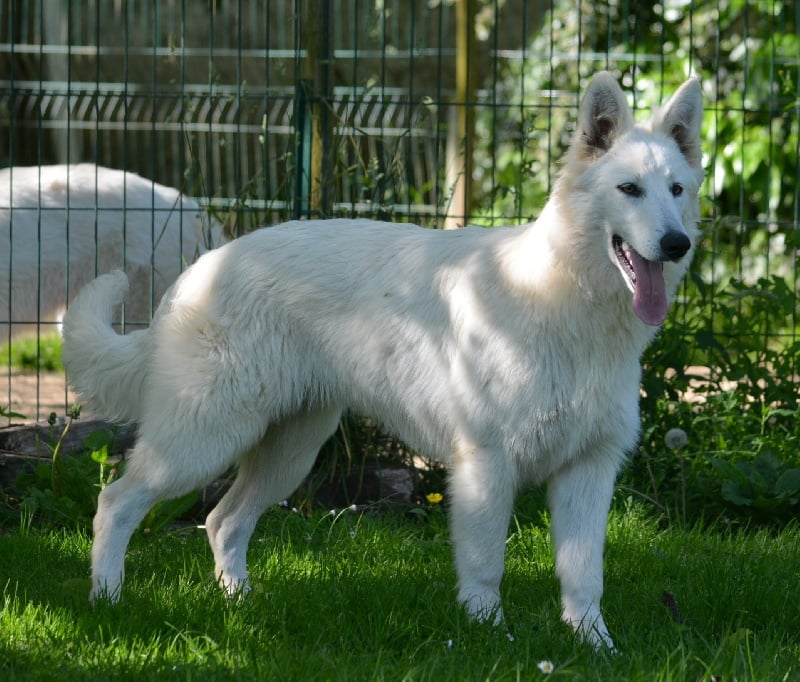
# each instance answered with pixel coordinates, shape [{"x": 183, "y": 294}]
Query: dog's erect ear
[
  {"x": 681, "y": 118},
  {"x": 604, "y": 115}
]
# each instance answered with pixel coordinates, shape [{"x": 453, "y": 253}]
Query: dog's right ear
[
  {"x": 604, "y": 115},
  {"x": 681, "y": 118}
]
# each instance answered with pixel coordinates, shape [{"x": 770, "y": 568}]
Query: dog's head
[{"x": 640, "y": 186}]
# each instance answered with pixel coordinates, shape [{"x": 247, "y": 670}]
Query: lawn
[
  {"x": 364, "y": 596},
  {"x": 42, "y": 353}
]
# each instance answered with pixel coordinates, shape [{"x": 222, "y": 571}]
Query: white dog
[
  {"x": 61, "y": 225},
  {"x": 510, "y": 354}
]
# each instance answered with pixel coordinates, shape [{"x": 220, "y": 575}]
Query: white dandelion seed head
[{"x": 675, "y": 439}]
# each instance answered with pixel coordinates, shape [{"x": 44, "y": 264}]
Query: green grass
[
  {"x": 361, "y": 597},
  {"x": 29, "y": 353}
]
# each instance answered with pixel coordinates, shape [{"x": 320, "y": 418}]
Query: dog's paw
[
  {"x": 593, "y": 631},
  {"x": 234, "y": 587},
  {"x": 104, "y": 592},
  {"x": 599, "y": 639},
  {"x": 485, "y": 608}
]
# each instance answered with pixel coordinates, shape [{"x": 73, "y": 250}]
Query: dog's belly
[{"x": 512, "y": 415}]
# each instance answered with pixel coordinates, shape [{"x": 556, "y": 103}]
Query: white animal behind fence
[{"x": 61, "y": 225}]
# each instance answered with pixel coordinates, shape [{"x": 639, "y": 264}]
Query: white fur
[
  {"x": 79, "y": 216},
  {"x": 509, "y": 354}
]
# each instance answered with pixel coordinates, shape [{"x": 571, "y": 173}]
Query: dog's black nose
[{"x": 675, "y": 244}]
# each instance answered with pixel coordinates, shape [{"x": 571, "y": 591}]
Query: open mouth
[
  {"x": 645, "y": 278},
  {"x": 622, "y": 252}
]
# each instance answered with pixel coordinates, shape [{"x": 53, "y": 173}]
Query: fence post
[
  {"x": 461, "y": 122},
  {"x": 313, "y": 120},
  {"x": 303, "y": 144}
]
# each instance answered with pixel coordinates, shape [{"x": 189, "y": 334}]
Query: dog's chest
[{"x": 550, "y": 403}]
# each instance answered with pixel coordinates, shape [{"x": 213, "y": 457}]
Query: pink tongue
[{"x": 649, "y": 295}]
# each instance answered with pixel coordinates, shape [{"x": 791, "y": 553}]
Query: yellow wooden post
[{"x": 461, "y": 122}]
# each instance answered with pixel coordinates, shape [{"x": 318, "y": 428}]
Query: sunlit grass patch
[
  {"x": 360, "y": 596},
  {"x": 31, "y": 353}
]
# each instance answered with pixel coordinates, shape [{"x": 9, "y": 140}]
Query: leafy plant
[
  {"x": 64, "y": 490},
  {"x": 763, "y": 485},
  {"x": 74, "y": 507},
  {"x": 168, "y": 512}
]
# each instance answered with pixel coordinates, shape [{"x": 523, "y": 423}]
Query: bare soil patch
[{"x": 33, "y": 394}]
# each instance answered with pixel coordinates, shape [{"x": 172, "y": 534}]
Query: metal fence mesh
[{"x": 439, "y": 112}]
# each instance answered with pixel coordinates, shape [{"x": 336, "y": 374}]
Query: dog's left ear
[
  {"x": 681, "y": 118},
  {"x": 604, "y": 115}
]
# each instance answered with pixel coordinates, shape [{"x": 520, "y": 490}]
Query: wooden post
[
  {"x": 461, "y": 122},
  {"x": 312, "y": 119}
]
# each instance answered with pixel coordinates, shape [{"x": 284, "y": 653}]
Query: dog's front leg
[
  {"x": 579, "y": 497},
  {"x": 482, "y": 495}
]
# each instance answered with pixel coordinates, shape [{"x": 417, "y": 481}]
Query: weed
[
  {"x": 64, "y": 490},
  {"x": 763, "y": 487}
]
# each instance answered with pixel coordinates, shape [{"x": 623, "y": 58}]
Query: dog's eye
[
  {"x": 676, "y": 189},
  {"x": 631, "y": 189}
]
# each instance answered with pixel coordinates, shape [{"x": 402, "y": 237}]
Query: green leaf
[
  {"x": 781, "y": 412},
  {"x": 788, "y": 482},
  {"x": 732, "y": 493},
  {"x": 730, "y": 471},
  {"x": 98, "y": 439}
]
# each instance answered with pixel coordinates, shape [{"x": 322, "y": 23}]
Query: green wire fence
[{"x": 439, "y": 112}]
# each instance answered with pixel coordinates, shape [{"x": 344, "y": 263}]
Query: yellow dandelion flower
[{"x": 434, "y": 498}]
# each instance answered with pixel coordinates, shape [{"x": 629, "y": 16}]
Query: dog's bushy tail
[{"x": 106, "y": 369}]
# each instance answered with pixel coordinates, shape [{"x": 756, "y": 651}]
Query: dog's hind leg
[
  {"x": 579, "y": 497},
  {"x": 123, "y": 504},
  {"x": 167, "y": 462},
  {"x": 120, "y": 508},
  {"x": 269, "y": 473}
]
